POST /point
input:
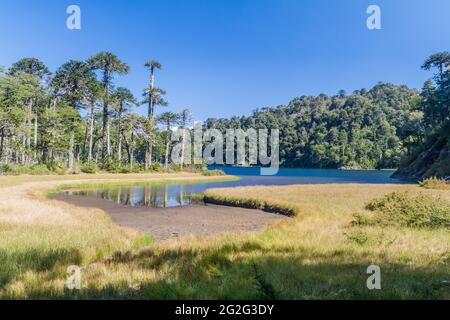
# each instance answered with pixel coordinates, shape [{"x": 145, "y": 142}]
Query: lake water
[{"x": 176, "y": 195}]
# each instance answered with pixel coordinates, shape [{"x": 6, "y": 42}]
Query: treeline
[
  {"x": 76, "y": 119},
  {"x": 374, "y": 128},
  {"x": 432, "y": 158}
]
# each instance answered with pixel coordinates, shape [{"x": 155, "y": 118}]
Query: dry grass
[
  {"x": 435, "y": 183},
  {"x": 40, "y": 238},
  {"x": 319, "y": 254}
]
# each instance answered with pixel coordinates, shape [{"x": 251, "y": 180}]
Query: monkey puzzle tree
[
  {"x": 124, "y": 100},
  {"x": 156, "y": 96},
  {"x": 72, "y": 81},
  {"x": 36, "y": 69},
  {"x": 152, "y": 65},
  {"x": 184, "y": 119},
  {"x": 31, "y": 66},
  {"x": 441, "y": 61},
  {"x": 108, "y": 64},
  {"x": 151, "y": 94},
  {"x": 168, "y": 119}
]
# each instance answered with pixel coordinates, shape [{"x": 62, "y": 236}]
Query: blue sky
[{"x": 229, "y": 57}]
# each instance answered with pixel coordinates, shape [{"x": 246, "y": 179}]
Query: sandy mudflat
[{"x": 172, "y": 223}]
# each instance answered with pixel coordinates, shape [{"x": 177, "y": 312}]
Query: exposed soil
[{"x": 172, "y": 223}]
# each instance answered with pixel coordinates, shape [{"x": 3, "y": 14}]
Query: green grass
[
  {"x": 416, "y": 211},
  {"x": 319, "y": 254}
]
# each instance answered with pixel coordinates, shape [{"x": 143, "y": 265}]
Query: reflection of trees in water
[{"x": 151, "y": 196}]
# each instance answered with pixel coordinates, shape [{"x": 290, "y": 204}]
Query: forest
[
  {"x": 373, "y": 128},
  {"x": 76, "y": 119}
]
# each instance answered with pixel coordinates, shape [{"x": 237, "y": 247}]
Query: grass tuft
[
  {"x": 416, "y": 211},
  {"x": 435, "y": 183}
]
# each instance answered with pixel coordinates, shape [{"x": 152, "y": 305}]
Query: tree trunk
[
  {"x": 148, "y": 155},
  {"x": 2, "y": 141},
  {"x": 106, "y": 143},
  {"x": 167, "y": 152},
  {"x": 35, "y": 135},
  {"x": 119, "y": 147},
  {"x": 28, "y": 124},
  {"x": 108, "y": 139},
  {"x": 71, "y": 152},
  {"x": 91, "y": 133},
  {"x": 24, "y": 151},
  {"x": 151, "y": 114},
  {"x": 131, "y": 151},
  {"x": 182, "y": 149}
]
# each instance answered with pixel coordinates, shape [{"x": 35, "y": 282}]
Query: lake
[{"x": 176, "y": 195}]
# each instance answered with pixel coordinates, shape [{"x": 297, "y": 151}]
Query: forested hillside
[
  {"x": 388, "y": 126},
  {"x": 432, "y": 158},
  {"x": 367, "y": 129},
  {"x": 77, "y": 119}
]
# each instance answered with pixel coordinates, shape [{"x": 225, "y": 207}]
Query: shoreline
[{"x": 177, "y": 222}]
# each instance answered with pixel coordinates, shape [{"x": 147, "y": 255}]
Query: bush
[
  {"x": 137, "y": 169},
  {"x": 435, "y": 183},
  {"x": 38, "y": 169},
  {"x": 90, "y": 168},
  {"x": 416, "y": 211},
  {"x": 114, "y": 166},
  {"x": 358, "y": 237},
  {"x": 174, "y": 168},
  {"x": 6, "y": 169},
  {"x": 157, "y": 167}
]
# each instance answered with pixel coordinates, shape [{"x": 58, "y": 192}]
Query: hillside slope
[{"x": 433, "y": 160}]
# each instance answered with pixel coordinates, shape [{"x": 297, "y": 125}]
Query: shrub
[
  {"x": 38, "y": 169},
  {"x": 157, "y": 167},
  {"x": 435, "y": 183},
  {"x": 416, "y": 211},
  {"x": 114, "y": 166},
  {"x": 174, "y": 168},
  {"x": 6, "y": 169},
  {"x": 90, "y": 168},
  {"x": 358, "y": 237},
  {"x": 137, "y": 169}
]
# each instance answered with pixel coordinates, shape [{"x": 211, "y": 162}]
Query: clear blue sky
[{"x": 228, "y": 57}]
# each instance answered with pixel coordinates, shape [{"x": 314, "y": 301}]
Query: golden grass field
[{"x": 320, "y": 254}]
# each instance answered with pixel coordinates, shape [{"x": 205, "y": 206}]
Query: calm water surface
[{"x": 181, "y": 194}]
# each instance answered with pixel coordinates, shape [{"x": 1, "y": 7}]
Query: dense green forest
[
  {"x": 76, "y": 119},
  {"x": 374, "y": 128}
]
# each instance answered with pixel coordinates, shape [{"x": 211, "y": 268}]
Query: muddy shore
[{"x": 170, "y": 223}]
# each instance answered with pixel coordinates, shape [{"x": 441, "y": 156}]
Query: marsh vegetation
[{"x": 323, "y": 252}]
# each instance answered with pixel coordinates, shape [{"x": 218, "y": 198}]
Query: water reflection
[
  {"x": 150, "y": 196},
  {"x": 176, "y": 195}
]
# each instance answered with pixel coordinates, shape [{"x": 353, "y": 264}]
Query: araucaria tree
[
  {"x": 108, "y": 64},
  {"x": 123, "y": 100},
  {"x": 168, "y": 119},
  {"x": 72, "y": 82},
  {"x": 76, "y": 120},
  {"x": 152, "y": 97}
]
